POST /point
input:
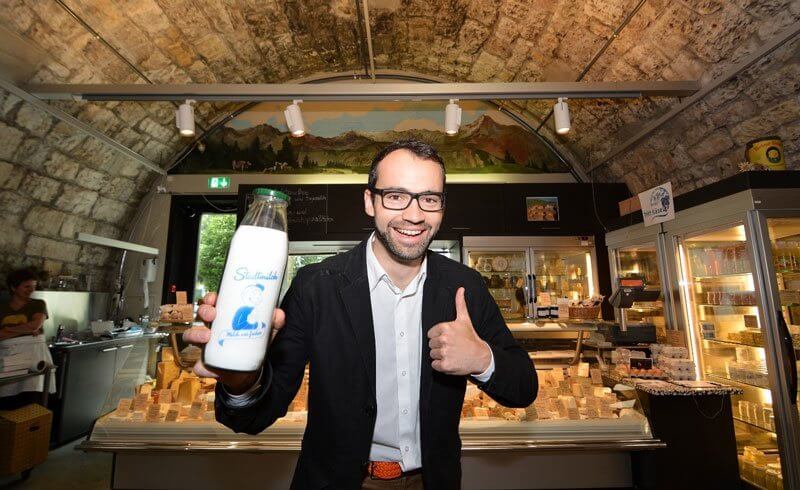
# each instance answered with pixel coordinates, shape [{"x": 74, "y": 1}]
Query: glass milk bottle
[{"x": 250, "y": 285}]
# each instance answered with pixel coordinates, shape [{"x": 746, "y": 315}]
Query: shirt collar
[{"x": 376, "y": 272}]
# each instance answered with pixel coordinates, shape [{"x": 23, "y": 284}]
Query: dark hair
[
  {"x": 18, "y": 276},
  {"x": 421, "y": 149}
]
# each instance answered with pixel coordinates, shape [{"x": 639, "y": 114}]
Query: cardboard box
[
  {"x": 24, "y": 437},
  {"x": 629, "y": 206}
]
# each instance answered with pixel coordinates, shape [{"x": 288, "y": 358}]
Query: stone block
[
  {"x": 14, "y": 203},
  {"x": 767, "y": 121},
  {"x": 32, "y": 153},
  {"x": 13, "y": 236},
  {"x": 62, "y": 167},
  {"x": 65, "y": 137},
  {"x": 484, "y": 11},
  {"x": 52, "y": 249},
  {"x": 10, "y": 139},
  {"x": 34, "y": 120},
  {"x": 76, "y": 200},
  {"x": 91, "y": 179},
  {"x": 74, "y": 224},
  {"x": 40, "y": 187},
  {"x": 44, "y": 221},
  {"x": 10, "y": 175},
  {"x": 486, "y": 67},
  {"x": 92, "y": 254},
  {"x": 472, "y": 36},
  {"x": 109, "y": 210},
  {"x": 712, "y": 145},
  {"x": 780, "y": 83},
  {"x": 120, "y": 189}
]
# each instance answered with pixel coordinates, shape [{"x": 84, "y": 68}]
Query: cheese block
[
  {"x": 177, "y": 313},
  {"x": 167, "y": 354},
  {"x": 145, "y": 389},
  {"x": 165, "y": 396},
  {"x": 481, "y": 413},
  {"x": 140, "y": 402},
  {"x": 166, "y": 372},
  {"x": 172, "y": 415},
  {"x": 124, "y": 407},
  {"x": 196, "y": 411},
  {"x": 188, "y": 390}
]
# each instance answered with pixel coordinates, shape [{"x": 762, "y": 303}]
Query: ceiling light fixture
[
  {"x": 294, "y": 119},
  {"x": 452, "y": 117},
  {"x": 184, "y": 118},
  {"x": 561, "y": 112}
]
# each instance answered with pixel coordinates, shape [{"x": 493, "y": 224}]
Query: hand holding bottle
[{"x": 235, "y": 381}]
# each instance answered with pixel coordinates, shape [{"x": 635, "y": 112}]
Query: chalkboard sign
[{"x": 307, "y": 211}]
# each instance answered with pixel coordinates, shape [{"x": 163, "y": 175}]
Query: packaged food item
[{"x": 250, "y": 285}]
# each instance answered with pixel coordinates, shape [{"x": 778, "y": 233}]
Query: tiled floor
[{"x": 67, "y": 469}]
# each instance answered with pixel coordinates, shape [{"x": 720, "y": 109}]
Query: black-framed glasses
[{"x": 399, "y": 200}]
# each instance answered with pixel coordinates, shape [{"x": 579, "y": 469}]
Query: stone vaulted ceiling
[{"x": 74, "y": 179}]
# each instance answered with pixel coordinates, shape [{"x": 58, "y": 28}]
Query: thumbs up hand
[{"x": 455, "y": 346}]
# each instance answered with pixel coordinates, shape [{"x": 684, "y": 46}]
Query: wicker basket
[{"x": 584, "y": 312}]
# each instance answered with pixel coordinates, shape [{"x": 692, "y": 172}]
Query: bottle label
[{"x": 250, "y": 284}]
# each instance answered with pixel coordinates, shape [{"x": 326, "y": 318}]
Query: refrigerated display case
[
  {"x": 736, "y": 262},
  {"x": 166, "y": 436},
  {"x": 521, "y": 271}
]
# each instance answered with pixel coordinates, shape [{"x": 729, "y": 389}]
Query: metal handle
[
  {"x": 126, "y": 346},
  {"x": 790, "y": 360},
  {"x": 109, "y": 349},
  {"x": 532, "y": 278}
]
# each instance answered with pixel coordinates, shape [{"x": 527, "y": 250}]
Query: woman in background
[{"x": 22, "y": 343}]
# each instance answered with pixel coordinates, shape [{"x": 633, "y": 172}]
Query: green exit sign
[{"x": 219, "y": 182}]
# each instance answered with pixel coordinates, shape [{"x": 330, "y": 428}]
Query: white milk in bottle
[{"x": 250, "y": 285}]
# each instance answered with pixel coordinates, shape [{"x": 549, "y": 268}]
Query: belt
[{"x": 388, "y": 470}]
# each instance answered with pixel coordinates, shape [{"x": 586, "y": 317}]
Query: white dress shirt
[{"x": 397, "y": 321}]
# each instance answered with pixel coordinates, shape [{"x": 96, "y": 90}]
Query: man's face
[{"x": 407, "y": 233}]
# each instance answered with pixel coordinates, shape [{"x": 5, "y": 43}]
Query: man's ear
[{"x": 369, "y": 206}]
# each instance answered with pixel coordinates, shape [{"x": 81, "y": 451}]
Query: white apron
[{"x": 34, "y": 348}]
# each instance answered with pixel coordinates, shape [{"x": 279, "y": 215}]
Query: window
[{"x": 213, "y": 240}]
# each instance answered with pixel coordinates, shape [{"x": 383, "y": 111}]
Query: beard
[{"x": 404, "y": 253}]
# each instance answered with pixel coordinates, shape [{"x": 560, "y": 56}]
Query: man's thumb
[{"x": 462, "y": 313}]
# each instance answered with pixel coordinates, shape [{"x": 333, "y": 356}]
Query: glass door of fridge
[
  {"x": 562, "y": 273},
  {"x": 505, "y": 272},
  {"x": 641, "y": 261},
  {"x": 780, "y": 270},
  {"x": 721, "y": 311}
]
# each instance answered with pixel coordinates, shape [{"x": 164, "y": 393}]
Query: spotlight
[
  {"x": 294, "y": 119},
  {"x": 452, "y": 117},
  {"x": 561, "y": 112},
  {"x": 184, "y": 118}
]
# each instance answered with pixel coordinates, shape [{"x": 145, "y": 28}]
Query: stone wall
[
  {"x": 706, "y": 142},
  {"x": 56, "y": 182}
]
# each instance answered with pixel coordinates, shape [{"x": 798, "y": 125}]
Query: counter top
[
  {"x": 556, "y": 325},
  {"x": 676, "y": 388},
  {"x": 104, "y": 342}
]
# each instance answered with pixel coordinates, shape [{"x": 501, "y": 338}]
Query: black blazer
[{"x": 329, "y": 324}]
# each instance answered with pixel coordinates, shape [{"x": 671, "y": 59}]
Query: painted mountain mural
[{"x": 481, "y": 146}]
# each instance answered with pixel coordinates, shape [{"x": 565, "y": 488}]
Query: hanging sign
[{"x": 657, "y": 204}]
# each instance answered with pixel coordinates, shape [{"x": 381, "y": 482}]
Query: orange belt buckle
[{"x": 384, "y": 470}]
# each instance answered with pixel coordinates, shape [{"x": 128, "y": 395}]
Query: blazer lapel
[{"x": 355, "y": 296}]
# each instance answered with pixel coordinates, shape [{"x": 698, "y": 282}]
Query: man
[{"x": 391, "y": 333}]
